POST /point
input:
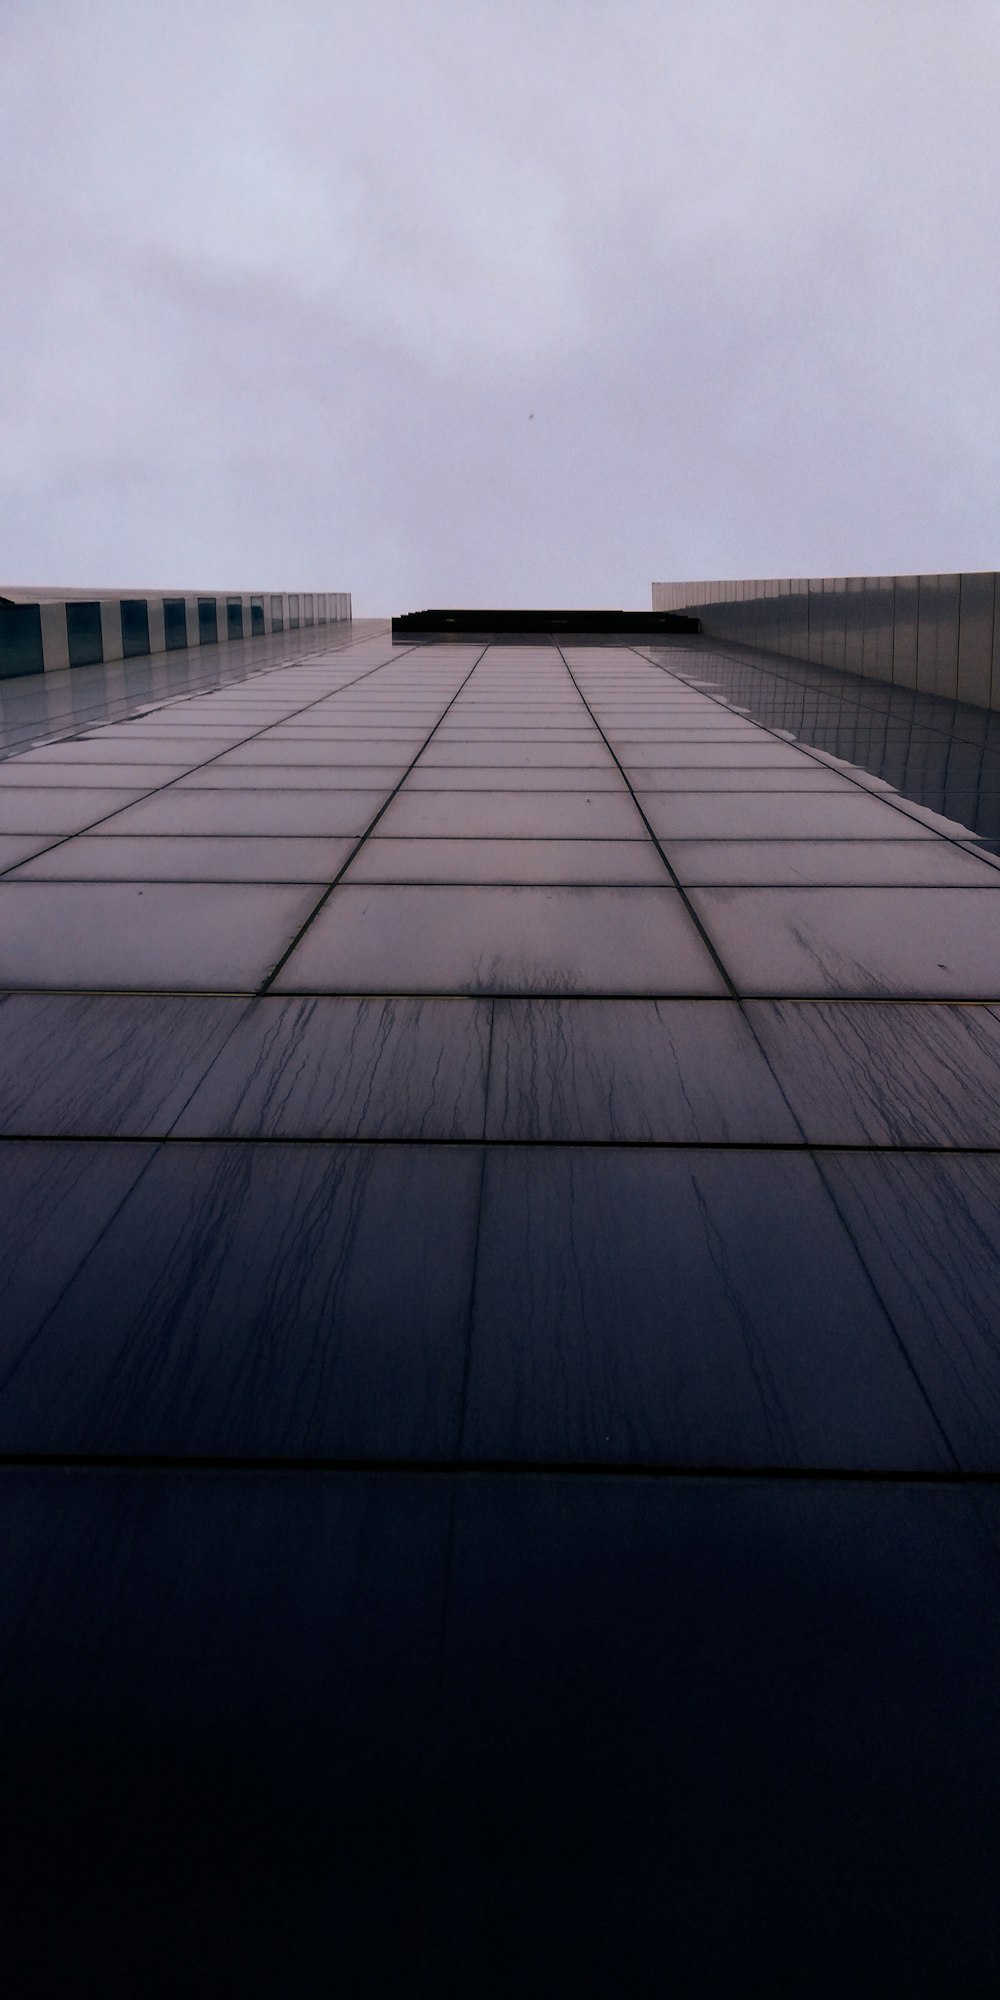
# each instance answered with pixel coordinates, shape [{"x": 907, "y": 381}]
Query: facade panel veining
[{"x": 501, "y": 1383}]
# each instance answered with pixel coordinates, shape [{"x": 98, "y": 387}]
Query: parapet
[
  {"x": 937, "y": 634},
  {"x": 43, "y": 631}
]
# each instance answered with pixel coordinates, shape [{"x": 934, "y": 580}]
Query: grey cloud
[{"x": 283, "y": 286}]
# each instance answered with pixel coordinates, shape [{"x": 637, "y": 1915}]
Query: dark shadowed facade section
[{"x": 499, "y": 1373}]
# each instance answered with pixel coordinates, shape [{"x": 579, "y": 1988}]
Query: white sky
[{"x": 497, "y": 301}]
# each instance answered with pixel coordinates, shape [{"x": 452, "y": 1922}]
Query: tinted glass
[
  {"x": 83, "y": 626},
  {"x": 135, "y": 626},
  {"x": 20, "y": 640},
  {"x": 174, "y": 623}
]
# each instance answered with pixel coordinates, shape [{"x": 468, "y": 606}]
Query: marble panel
[
  {"x": 514, "y": 778},
  {"x": 104, "y": 1065},
  {"x": 18, "y": 773},
  {"x": 188, "y": 858},
  {"x": 347, "y": 1069},
  {"x": 504, "y": 751},
  {"x": 661, "y": 1071},
  {"x": 862, "y": 1073},
  {"x": 107, "y": 936},
  {"x": 383, "y": 750},
  {"x": 549, "y": 862},
  {"x": 501, "y": 940},
  {"x": 59, "y": 809},
  {"x": 663, "y": 1696},
  {"x": 219, "y": 1695},
  {"x": 273, "y": 1300},
  {"x": 805, "y": 776},
  {"x": 293, "y": 778},
  {"x": 789, "y": 863},
  {"x": 312, "y": 814},
  {"x": 499, "y": 815},
  {"x": 857, "y": 943},
  {"x": 927, "y": 1226},
  {"x": 57, "y": 1200},
  {"x": 15, "y": 848},
  {"x": 662, "y": 1307},
  {"x": 781, "y": 817}
]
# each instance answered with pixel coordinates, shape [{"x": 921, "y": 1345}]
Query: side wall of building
[
  {"x": 938, "y": 634},
  {"x": 78, "y": 631}
]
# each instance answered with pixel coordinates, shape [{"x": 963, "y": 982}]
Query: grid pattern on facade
[
  {"x": 503, "y": 1163},
  {"x": 941, "y": 754}
]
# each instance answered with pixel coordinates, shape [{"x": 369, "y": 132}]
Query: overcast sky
[{"x": 497, "y": 301}]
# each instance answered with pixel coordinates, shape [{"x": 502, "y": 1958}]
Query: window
[
  {"x": 135, "y": 627},
  {"x": 83, "y": 628},
  {"x": 20, "y": 640},
  {"x": 175, "y": 631}
]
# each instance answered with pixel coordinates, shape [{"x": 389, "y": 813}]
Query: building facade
[{"x": 501, "y": 1383}]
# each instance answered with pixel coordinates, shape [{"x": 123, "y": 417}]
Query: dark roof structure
[{"x": 461, "y": 622}]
